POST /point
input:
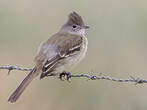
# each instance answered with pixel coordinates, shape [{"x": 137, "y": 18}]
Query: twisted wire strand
[{"x": 90, "y": 77}]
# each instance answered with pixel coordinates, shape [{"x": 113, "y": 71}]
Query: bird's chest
[
  {"x": 80, "y": 54},
  {"x": 71, "y": 61}
]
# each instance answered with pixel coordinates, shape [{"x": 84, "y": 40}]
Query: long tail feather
[{"x": 16, "y": 94}]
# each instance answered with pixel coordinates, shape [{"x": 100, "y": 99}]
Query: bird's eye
[{"x": 74, "y": 26}]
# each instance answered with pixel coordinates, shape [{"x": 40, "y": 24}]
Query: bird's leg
[{"x": 63, "y": 74}]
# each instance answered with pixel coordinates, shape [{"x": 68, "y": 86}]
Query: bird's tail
[{"x": 16, "y": 94}]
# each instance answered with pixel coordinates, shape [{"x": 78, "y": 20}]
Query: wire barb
[
  {"x": 89, "y": 77},
  {"x": 10, "y": 68}
]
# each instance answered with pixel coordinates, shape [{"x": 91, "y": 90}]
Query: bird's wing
[{"x": 65, "y": 48}]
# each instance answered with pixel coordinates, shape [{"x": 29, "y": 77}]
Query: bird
[{"x": 59, "y": 54}]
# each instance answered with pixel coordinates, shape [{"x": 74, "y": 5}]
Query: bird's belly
[{"x": 68, "y": 63}]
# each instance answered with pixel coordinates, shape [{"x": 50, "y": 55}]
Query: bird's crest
[{"x": 74, "y": 18}]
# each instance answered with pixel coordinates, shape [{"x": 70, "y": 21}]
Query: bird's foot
[{"x": 63, "y": 74}]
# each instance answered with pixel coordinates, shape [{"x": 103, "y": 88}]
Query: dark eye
[{"x": 74, "y": 26}]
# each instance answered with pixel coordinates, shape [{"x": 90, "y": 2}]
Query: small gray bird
[{"x": 60, "y": 53}]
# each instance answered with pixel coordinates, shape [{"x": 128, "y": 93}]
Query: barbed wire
[
  {"x": 90, "y": 77},
  {"x": 10, "y": 68}
]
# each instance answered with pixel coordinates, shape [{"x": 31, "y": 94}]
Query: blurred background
[{"x": 117, "y": 47}]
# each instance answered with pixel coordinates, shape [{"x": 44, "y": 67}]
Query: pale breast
[{"x": 69, "y": 63}]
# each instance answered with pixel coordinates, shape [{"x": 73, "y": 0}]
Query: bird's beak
[{"x": 85, "y": 27}]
